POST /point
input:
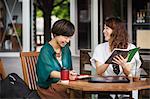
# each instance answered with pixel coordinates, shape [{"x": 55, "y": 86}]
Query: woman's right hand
[{"x": 72, "y": 75}]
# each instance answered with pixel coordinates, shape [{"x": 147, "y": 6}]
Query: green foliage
[
  {"x": 62, "y": 11},
  {"x": 19, "y": 30},
  {"x": 39, "y": 13}
]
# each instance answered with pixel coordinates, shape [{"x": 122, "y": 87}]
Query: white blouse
[{"x": 101, "y": 54}]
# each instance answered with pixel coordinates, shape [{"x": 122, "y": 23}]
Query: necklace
[{"x": 58, "y": 55}]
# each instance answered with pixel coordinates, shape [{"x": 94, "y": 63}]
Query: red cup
[{"x": 64, "y": 74}]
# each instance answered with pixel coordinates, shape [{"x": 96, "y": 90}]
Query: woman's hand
[
  {"x": 72, "y": 75},
  {"x": 120, "y": 60},
  {"x": 123, "y": 63}
]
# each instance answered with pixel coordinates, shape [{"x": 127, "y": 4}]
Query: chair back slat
[
  {"x": 33, "y": 71},
  {"x": 2, "y": 70},
  {"x": 31, "y": 78},
  {"x": 29, "y": 60}
]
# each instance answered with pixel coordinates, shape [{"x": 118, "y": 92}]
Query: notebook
[
  {"x": 109, "y": 79},
  {"x": 124, "y": 52},
  {"x": 83, "y": 76}
]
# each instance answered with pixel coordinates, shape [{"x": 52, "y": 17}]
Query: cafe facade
[{"x": 88, "y": 17}]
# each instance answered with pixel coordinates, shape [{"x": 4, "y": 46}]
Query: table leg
[
  {"x": 72, "y": 94},
  {"x": 83, "y": 95},
  {"x": 135, "y": 94},
  {"x": 76, "y": 94}
]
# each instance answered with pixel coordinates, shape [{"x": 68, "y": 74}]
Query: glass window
[
  {"x": 115, "y": 8},
  {"x": 10, "y": 25},
  {"x": 141, "y": 23},
  {"x": 84, "y": 24}
]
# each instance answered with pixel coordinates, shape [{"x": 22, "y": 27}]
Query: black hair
[{"x": 63, "y": 27}]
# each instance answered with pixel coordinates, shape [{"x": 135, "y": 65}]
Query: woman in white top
[{"x": 117, "y": 37}]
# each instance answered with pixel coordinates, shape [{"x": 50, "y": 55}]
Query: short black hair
[{"x": 63, "y": 27}]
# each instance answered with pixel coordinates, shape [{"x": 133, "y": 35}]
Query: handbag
[{"x": 14, "y": 87}]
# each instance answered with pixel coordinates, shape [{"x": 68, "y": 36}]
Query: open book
[
  {"x": 82, "y": 76},
  {"x": 123, "y": 52}
]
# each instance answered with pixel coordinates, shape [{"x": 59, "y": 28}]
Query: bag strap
[{"x": 1, "y": 78}]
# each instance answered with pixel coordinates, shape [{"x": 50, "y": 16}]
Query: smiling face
[
  {"x": 62, "y": 40},
  {"x": 107, "y": 32}
]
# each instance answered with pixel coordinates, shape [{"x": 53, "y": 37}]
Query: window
[
  {"x": 141, "y": 23},
  {"x": 115, "y": 8},
  {"x": 84, "y": 24},
  {"x": 10, "y": 25}
]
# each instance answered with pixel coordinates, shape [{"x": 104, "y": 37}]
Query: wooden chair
[
  {"x": 2, "y": 70},
  {"x": 28, "y": 61},
  {"x": 145, "y": 93},
  {"x": 84, "y": 59}
]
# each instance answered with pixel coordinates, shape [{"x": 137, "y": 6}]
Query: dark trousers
[{"x": 104, "y": 96}]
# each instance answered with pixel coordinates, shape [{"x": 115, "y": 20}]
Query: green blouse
[{"x": 47, "y": 63}]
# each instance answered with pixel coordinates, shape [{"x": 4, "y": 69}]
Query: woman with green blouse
[{"x": 54, "y": 55}]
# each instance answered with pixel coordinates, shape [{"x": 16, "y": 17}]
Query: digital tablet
[{"x": 109, "y": 79}]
